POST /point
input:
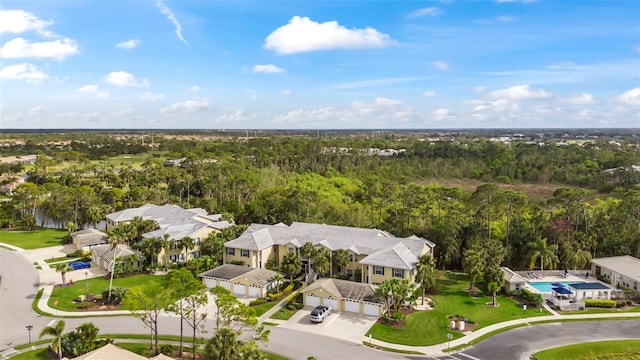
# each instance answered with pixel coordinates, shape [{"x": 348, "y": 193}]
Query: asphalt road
[{"x": 19, "y": 285}]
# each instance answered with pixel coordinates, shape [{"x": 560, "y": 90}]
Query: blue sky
[{"x": 319, "y": 64}]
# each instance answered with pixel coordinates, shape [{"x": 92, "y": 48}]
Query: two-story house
[
  {"x": 375, "y": 254},
  {"x": 175, "y": 223}
]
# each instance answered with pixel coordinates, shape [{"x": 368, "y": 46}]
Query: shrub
[
  {"x": 620, "y": 304},
  {"x": 76, "y": 253},
  {"x": 291, "y": 307},
  {"x": 289, "y": 288},
  {"x": 117, "y": 294},
  {"x": 274, "y": 296},
  {"x": 299, "y": 306},
  {"x": 238, "y": 262},
  {"x": 166, "y": 349},
  {"x": 257, "y": 302},
  {"x": 531, "y": 298},
  {"x": 600, "y": 303},
  {"x": 628, "y": 302}
]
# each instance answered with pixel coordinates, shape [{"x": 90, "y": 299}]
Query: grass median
[{"x": 601, "y": 350}]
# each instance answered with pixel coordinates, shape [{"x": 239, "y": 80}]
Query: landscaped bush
[
  {"x": 117, "y": 294},
  {"x": 74, "y": 254},
  {"x": 289, "y": 288},
  {"x": 257, "y": 302},
  {"x": 620, "y": 304},
  {"x": 274, "y": 296},
  {"x": 600, "y": 303},
  {"x": 166, "y": 349},
  {"x": 299, "y": 306},
  {"x": 531, "y": 298},
  {"x": 291, "y": 307}
]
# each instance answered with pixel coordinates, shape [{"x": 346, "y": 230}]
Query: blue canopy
[
  {"x": 561, "y": 291},
  {"x": 557, "y": 285}
]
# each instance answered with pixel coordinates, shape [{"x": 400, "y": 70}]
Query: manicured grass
[
  {"x": 66, "y": 295},
  {"x": 143, "y": 349},
  {"x": 59, "y": 259},
  {"x": 283, "y": 314},
  {"x": 602, "y": 350},
  {"x": 267, "y": 323},
  {"x": 34, "y": 304},
  {"x": 37, "y": 354},
  {"x": 430, "y": 327},
  {"x": 38, "y": 238},
  {"x": 261, "y": 309},
  {"x": 33, "y": 343},
  {"x": 272, "y": 356},
  {"x": 53, "y": 266},
  {"x": 483, "y": 337},
  {"x": 186, "y": 339},
  {"x": 365, "y": 343},
  {"x": 600, "y": 311}
]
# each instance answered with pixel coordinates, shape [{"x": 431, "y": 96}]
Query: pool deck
[{"x": 570, "y": 278}]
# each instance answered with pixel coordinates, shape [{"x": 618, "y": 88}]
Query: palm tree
[
  {"x": 55, "y": 331},
  {"x": 115, "y": 237},
  {"x": 493, "y": 287},
  {"x": 166, "y": 245},
  {"x": 341, "y": 259},
  {"x": 187, "y": 243},
  {"x": 63, "y": 269},
  {"x": 88, "y": 333},
  {"x": 426, "y": 273},
  {"x": 278, "y": 278},
  {"x": 546, "y": 253},
  {"x": 307, "y": 250},
  {"x": 321, "y": 264},
  {"x": 291, "y": 264},
  {"x": 474, "y": 263}
]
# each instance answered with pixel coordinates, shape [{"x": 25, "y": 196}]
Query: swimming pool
[{"x": 545, "y": 287}]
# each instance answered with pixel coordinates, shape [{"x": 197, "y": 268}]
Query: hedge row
[
  {"x": 600, "y": 303},
  {"x": 531, "y": 298}
]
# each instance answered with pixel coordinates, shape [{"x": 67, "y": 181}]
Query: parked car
[
  {"x": 76, "y": 265},
  {"x": 319, "y": 313}
]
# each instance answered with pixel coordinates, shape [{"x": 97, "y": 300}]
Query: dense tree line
[{"x": 339, "y": 181}]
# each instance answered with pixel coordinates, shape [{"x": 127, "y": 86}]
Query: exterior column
[
  {"x": 370, "y": 273},
  {"x": 224, "y": 255},
  {"x": 330, "y": 263}
]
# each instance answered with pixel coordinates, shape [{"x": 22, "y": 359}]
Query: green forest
[{"x": 467, "y": 194}]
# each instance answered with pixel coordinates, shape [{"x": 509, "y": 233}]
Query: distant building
[{"x": 621, "y": 271}]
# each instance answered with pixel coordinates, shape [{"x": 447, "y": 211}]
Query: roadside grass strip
[{"x": 600, "y": 350}]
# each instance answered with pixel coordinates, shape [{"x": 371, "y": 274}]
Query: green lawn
[
  {"x": 602, "y": 350},
  {"x": 143, "y": 349},
  {"x": 283, "y": 314},
  {"x": 38, "y": 238},
  {"x": 430, "y": 327},
  {"x": 600, "y": 311},
  {"x": 66, "y": 295},
  {"x": 37, "y": 354},
  {"x": 261, "y": 309},
  {"x": 60, "y": 259}
]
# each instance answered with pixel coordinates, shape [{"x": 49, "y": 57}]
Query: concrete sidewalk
[{"x": 438, "y": 349}]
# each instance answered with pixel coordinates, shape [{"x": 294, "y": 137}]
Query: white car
[{"x": 319, "y": 313}]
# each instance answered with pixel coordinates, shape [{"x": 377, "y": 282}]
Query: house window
[
  {"x": 196, "y": 254},
  {"x": 231, "y": 251},
  {"x": 290, "y": 249},
  {"x": 349, "y": 273},
  {"x": 399, "y": 273},
  {"x": 244, "y": 253},
  {"x": 378, "y": 270},
  {"x": 518, "y": 286},
  {"x": 635, "y": 286},
  {"x": 196, "y": 241}
]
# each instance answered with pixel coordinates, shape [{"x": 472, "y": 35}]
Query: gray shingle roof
[
  {"x": 626, "y": 265},
  {"x": 511, "y": 276},
  {"x": 345, "y": 289},
  {"x": 356, "y": 240},
  {"x": 89, "y": 237},
  {"x": 231, "y": 271},
  {"x": 397, "y": 256}
]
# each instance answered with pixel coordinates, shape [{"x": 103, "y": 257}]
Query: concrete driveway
[
  {"x": 344, "y": 325},
  {"x": 49, "y": 276}
]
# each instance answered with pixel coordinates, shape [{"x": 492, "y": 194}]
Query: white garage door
[
  {"x": 239, "y": 289},
  {"x": 312, "y": 300},
  {"x": 254, "y": 291},
  {"x": 209, "y": 282},
  {"x": 352, "y": 305},
  {"x": 371, "y": 309},
  {"x": 225, "y": 284},
  {"x": 331, "y": 302}
]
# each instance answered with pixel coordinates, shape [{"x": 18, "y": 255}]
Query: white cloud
[
  {"x": 88, "y": 89},
  {"x": 440, "y": 65},
  {"x": 102, "y": 95},
  {"x": 194, "y": 88},
  {"x": 123, "y": 78},
  {"x": 164, "y": 9},
  {"x": 429, "y": 11},
  {"x": 387, "y": 102},
  {"x": 236, "y": 116},
  {"x": 497, "y": 106},
  {"x": 21, "y": 48},
  {"x": 285, "y": 92},
  {"x": 631, "y": 97},
  {"x": 36, "y": 110},
  {"x": 583, "y": 99},
  {"x": 267, "y": 69},
  {"x": 429, "y": 93},
  {"x": 185, "y": 107},
  {"x": 23, "y": 71},
  {"x": 520, "y": 92},
  {"x": 302, "y": 34},
  {"x": 18, "y": 21},
  {"x": 129, "y": 44},
  {"x": 479, "y": 88},
  {"x": 149, "y": 96},
  {"x": 443, "y": 114}
]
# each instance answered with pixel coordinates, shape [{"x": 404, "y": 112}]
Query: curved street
[{"x": 19, "y": 283}]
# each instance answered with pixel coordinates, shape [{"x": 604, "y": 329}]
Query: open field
[
  {"x": 430, "y": 327},
  {"x": 38, "y": 238},
  {"x": 601, "y": 350}
]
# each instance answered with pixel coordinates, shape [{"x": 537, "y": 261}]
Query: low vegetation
[
  {"x": 602, "y": 350},
  {"x": 35, "y": 239}
]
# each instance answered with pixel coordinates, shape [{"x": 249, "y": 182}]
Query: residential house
[
  {"x": 620, "y": 271},
  {"x": 512, "y": 281},
  {"x": 343, "y": 295},
  {"x": 175, "y": 224},
  {"x": 375, "y": 254},
  {"x": 87, "y": 239},
  {"x": 240, "y": 280},
  {"x": 109, "y": 352},
  {"x": 102, "y": 256}
]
